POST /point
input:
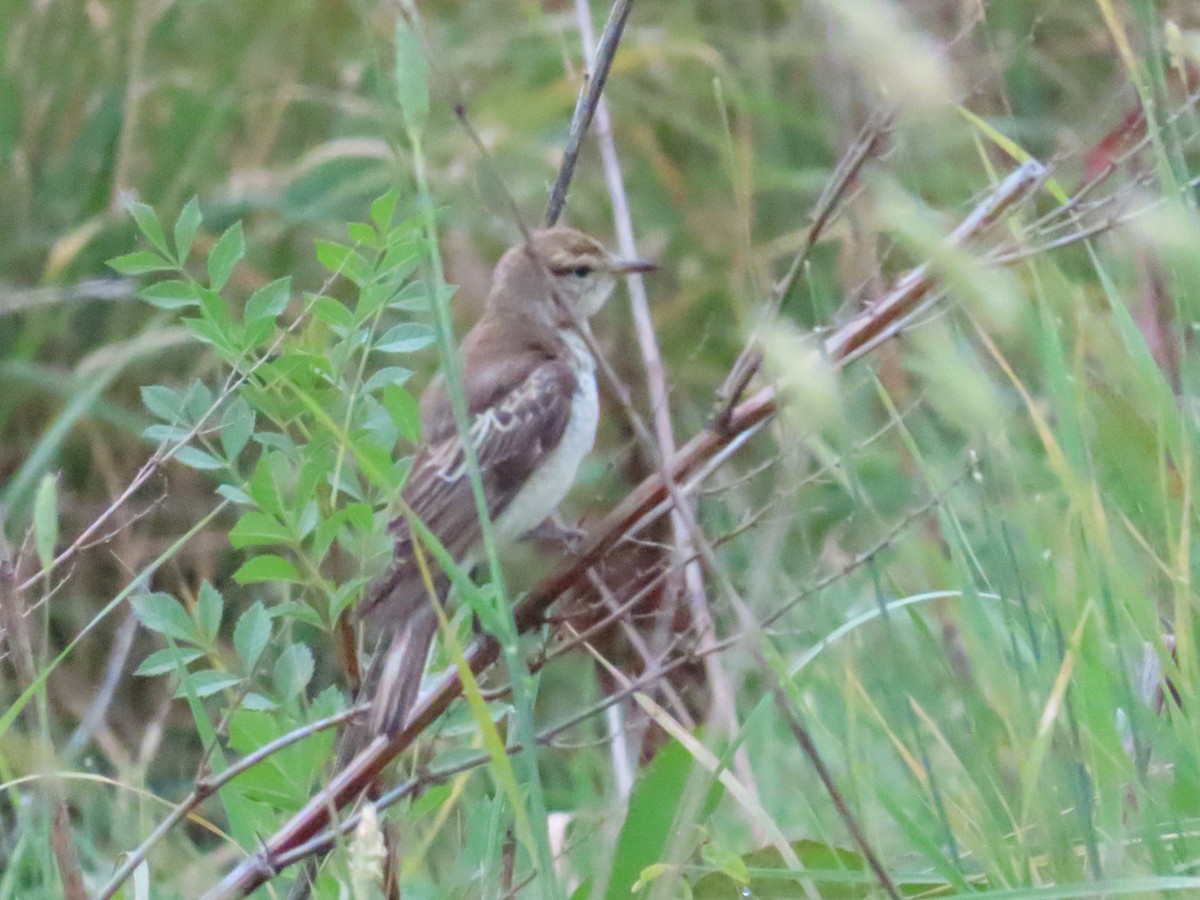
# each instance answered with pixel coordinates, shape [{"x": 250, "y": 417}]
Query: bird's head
[{"x": 556, "y": 268}]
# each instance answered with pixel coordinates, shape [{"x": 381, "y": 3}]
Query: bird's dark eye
[{"x": 582, "y": 271}]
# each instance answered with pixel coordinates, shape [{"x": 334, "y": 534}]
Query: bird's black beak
[{"x": 628, "y": 266}]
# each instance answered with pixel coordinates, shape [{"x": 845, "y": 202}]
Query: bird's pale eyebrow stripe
[{"x": 561, "y": 263}]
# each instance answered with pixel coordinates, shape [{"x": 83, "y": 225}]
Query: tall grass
[{"x": 974, "y": 548}]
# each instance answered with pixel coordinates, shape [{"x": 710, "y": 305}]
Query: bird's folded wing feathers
[{"x": 512, "y": 436}]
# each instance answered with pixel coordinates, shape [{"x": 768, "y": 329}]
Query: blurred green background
[{"x": 998, "y": 509}]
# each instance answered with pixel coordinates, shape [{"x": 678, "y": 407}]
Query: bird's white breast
[{"x": 540, "y": 495}]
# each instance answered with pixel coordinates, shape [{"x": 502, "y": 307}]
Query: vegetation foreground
[{"x": 885, "y": 583}]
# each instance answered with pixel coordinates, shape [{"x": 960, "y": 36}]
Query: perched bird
[{"x": 530, "y": 388}]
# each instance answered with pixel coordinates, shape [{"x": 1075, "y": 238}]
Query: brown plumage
[{"x": 529, "y": 386}]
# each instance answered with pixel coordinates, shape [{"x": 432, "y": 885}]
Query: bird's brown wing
[
  {"x": 531, "y": 399},
  {"x": 519, "y": 405}
]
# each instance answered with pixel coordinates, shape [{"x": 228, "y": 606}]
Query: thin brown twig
[
  {"x": 585, "y": 107},
  {"x": 131, "y": 520},
  {"x": 65, "y": 856},
  {"x": 1070, "y": 213},
  {"x": 610, "y": 617},
  {"x": 460, "y": 112},
  {"x": 861, "y": 150},
  {"x": 1009, "y": 254},
  {"x": 206, "y": 787},
  {"x": 652, "y": 657},
  {"x": 15, "y": 628},
  {"x": 884, "y": 319},
  {"x": 804, "y": 738},
  {"x": 863, "y": 556},
  {"x": 849, "y": 166}
]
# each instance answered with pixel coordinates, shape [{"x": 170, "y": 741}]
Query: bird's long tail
[{"x": 391, "y": 683}]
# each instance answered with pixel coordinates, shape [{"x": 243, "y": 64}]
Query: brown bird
[{"x": 530, "y": 388}]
